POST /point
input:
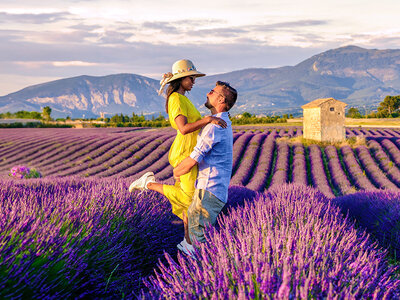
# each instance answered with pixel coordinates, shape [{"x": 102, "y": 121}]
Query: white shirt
[{"x": 213, "y": 152}]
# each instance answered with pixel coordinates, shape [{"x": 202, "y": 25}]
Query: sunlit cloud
[
  {"x": 30, "y": 18},
  {"x": 75, "y": 63},
  {"x": 40, "y": 64}
]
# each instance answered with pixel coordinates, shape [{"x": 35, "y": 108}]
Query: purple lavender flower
[
  {"x": 378, "y": 212},
  {"x": 290, "y": 242}
]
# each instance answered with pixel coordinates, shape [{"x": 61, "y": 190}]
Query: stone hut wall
[
  {"x": 312, "y": 123},
  {"x": 332, "y": 121}
]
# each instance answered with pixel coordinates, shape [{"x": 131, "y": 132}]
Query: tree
[
  {"x": 160, "y": 118},
  {"x": 389, "y": 105},
  {"x": 136, "y": 118},
  {"x": 246, "y": 115},
  {"x": 36, "y": 115},
  {"x": 353, "y": 113},
  {"x": 117, "y": 119},
  {"x": 46, "y": 113}
]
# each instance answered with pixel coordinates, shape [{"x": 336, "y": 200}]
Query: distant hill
[
  {"x": 88, "y": 96},
  {"x": 357, "y": 76}
]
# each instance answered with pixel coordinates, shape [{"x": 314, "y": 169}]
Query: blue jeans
[{"x": 203, "y": 211}]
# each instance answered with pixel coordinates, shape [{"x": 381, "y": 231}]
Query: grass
[
  {"x": 271, "y": 124},
  {"x": 352, "y": 142},
  {"x": 372, "y": 122},
  {"x": 348, "y": 122}
]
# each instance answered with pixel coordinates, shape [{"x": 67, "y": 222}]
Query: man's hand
[{"x": 184, "y": 167}]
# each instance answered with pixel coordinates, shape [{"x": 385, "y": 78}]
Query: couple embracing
[{"x": 201, "y": 153}]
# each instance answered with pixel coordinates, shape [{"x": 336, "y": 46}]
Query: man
[{"x": 213, "y": 155}]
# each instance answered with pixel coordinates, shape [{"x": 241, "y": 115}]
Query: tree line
[
  {"x": 45, "y": 115},
  {"x": 388, "y": 108},
  {"x": 248, "y": 118},
  {"x": 120, "y": 120}
]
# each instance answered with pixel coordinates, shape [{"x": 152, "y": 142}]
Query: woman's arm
[{"x": 184, "y": 127}]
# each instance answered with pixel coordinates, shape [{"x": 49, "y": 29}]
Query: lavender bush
[
  {"x": 239, "y": 148},
  {"x": 71, "y": 159},
  {"x": 299, "y": 173},
  {"x": 102, "y": 154},
  {"x": 392, "y": 150},
  {"x": 288, "y": 243},
  {"x": 338, "y": 176},
  {"x": 260, "y": 177},
  {"x": 281, "y": 169},
  {"x": 131, "y": 156},
  {"x": 354, "y": 170},
  {"x": 372, "y": 170},
  {"x": 148, "y": 160},
  {"x": 74, "y": 238},
  {"x": 385, "y": 162},
  {"x": 161, "y": 168},
  {"x": 318, "y": 174},
  {"x": 378, "y": 212},
  {"x": 249, "y": 161}
]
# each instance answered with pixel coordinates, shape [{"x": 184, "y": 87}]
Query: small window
[{"x": 332, "y": 109}]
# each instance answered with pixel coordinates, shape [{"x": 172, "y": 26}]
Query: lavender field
[{"x": 301, "y": 222}]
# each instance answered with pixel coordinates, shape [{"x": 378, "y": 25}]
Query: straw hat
[{"x": 181, "y": 68}]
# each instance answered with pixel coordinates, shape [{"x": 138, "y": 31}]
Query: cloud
[
  {"x": 186, "y": 26},
  {"x": 114, "y": 37},
  {"x": 149, "y": 48},
  {"x": 85, "y": 27},
  {"x": 390, "y": 40},
  {"x": 161, "y": 26},
  {"x": 287, "y": 25},
  {"x": 25, "y": 18},
  {"x": 44, "y": 37},
  {"x": 202, "y": 31},
  {"x": 74, "y": 63},
  {"x": 227, "y": 32}
]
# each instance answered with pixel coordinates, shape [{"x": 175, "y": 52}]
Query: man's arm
[
  {"x": 205, "y": 142},
  {"x": 184, "y": 167}
]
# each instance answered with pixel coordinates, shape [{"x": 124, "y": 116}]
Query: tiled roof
[{"x": 319, "y": 102}]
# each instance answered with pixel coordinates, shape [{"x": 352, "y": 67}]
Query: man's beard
[{"x": 208, "y": 104}]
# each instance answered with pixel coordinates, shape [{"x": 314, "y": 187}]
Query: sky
[{"x": 47, "y": 40}]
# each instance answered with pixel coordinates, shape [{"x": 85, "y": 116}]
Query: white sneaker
[
  {"x": 181, "y": 244},
  {"x": 141, "y": 183},
  {"x": 186, "y": 248}
]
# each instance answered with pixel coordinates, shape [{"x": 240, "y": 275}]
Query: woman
[{"x": 186, "y": 119}]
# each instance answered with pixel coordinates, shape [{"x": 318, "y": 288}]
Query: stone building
[{"x": 323, "y": 120}]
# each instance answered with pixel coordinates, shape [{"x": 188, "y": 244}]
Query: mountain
[
  {"x": 359, "y": 77},
  {"x": 88, "y": 96},
  {"x": 356, "y": 76}
]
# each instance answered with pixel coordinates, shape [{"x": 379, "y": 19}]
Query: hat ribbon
[{"x": 164, "y": 81}]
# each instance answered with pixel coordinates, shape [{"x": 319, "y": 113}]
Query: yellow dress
[{"x": 180, "y": 195}]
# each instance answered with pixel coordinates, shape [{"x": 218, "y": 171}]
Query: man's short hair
[{"x": 230, "y": 94}]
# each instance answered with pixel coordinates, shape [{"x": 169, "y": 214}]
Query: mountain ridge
[{"x": 357, "y": 76}]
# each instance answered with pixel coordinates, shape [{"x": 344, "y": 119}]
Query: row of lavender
[
  {"x": 260, "y": 160},
  {"x": 86, "y": 152},
  {"x": 89, "y": 238}
]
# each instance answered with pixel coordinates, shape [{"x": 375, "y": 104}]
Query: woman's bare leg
[
  {"x": 186, "y": 227},
  {"x": 154, "y": 186}
]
